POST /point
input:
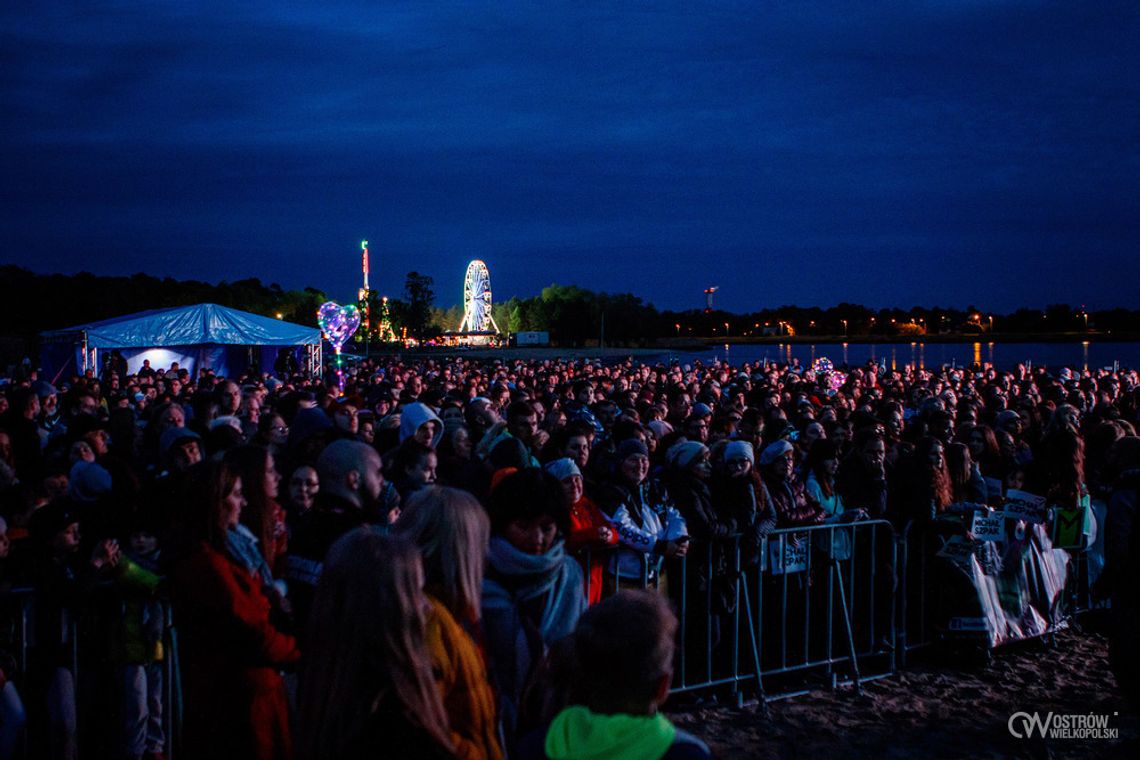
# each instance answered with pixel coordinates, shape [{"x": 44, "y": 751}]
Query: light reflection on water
[{"x": 1077, "y": 354}]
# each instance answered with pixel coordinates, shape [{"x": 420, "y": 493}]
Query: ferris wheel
[{"x": 477, "y": 299}]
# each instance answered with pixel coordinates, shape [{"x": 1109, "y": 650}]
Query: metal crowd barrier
[
  {"x": 809, "y": 606},
  {"x": 918, "y": 624},
  {"x": 916, "y": 628},
  {"x": 89, "y": 679},
  {"x": 817, "y": 601}
]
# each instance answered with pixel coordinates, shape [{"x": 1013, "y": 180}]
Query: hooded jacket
[
  {"x": 415, "y": 414},
  {"x": 584, "y": 735}
]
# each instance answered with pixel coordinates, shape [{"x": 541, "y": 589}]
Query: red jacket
[
  {"x": 235, "y": 704},
  {"x": 585, "y": 520}
]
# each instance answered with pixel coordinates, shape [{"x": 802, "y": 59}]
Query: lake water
[{"x": 1077, "y": 355}]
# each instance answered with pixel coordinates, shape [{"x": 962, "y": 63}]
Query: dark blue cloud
[{"x": 889, "y": 153}]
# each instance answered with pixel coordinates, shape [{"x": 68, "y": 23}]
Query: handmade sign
[
  {"x": 1015, "y": 587},
  {"x": 988, "y": 527},
  {"x": 788, "y": 554},
  {"x": 1020, "y": 505},
  {"x": 958, "y": 549},
  {"x": 1070, "y": 527}
]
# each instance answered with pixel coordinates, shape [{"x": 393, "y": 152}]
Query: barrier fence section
[
  {"x": 814, "y": 601},
  {"x": 807, "y": 607},
  {"x": 921, "y": 597},
  {"x": 95, "y": 675}
]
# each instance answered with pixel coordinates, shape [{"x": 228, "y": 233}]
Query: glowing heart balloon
[{"x": 337, "y": 322}]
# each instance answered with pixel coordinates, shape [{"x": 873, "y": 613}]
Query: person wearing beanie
[
  {"x": 688, "y": 477},
  {"x": 784, "y": 489},
  {"x": 682, "y": 453},
  {"x": 659, "y": 428},
  {"x": 591, "y": 533},
  {"x": 739, "y": 492},
  {"x": 740, "y": 450},
  {"x": 180, "y": 448},
  {"x": 774, "y": 451},
  {"x": 532, "y": 591},
  {"x": 88, "y": 481},
  {"x": 650, "y": 529}
]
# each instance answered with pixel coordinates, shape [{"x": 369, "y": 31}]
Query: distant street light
[{"x": 844, "y": 327}]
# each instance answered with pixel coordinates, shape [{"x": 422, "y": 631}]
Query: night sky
[{"x": 888, "y": 153}]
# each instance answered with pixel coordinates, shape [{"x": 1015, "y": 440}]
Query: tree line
[{"x": 574, "y": 316}]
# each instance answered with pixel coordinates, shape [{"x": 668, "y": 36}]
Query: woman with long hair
[
  {"x": 262, "y": 515},
  {"x": 984, "y": 449},
  {"x": 452, "y": 531},
  {"x": 1058, "y": 469},
  {"x": 366, "y": 685},
  {"x": 926, "y": 492},
  {"x": 966, "y": 481},
  {"x": 235, "y": 705},
  {"x": 820, "y": 470}
]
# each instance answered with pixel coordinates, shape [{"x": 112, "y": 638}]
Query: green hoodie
[{"x": 578, "y": 733}]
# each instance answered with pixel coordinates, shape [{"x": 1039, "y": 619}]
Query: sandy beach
[{"x": 937, "y": 709}]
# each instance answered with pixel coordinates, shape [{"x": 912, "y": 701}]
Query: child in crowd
[
  {"x": 623, "y": 657},
  {"x": 140, "y": 643},
  {"x": 413, "y": 467}
]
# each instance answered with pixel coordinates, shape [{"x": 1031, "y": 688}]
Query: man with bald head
[
  {"x": 351, "y": 486},
  {"x": 351, "y": 475}
]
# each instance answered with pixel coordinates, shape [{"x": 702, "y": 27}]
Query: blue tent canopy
[{"x": 201, "y": 336}]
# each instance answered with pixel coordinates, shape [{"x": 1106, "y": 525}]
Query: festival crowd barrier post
[
  {"x": 819, "y": 605},
  {"x": 817, "y": 601},
  {"x": 88, "y": 674}
]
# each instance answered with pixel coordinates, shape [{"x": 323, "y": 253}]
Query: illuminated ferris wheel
[{"x": 477, "y": 300}]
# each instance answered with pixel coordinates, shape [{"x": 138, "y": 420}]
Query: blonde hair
[
  {"x": 366, "y": 647},
  {"x": 452, "y": 531}
]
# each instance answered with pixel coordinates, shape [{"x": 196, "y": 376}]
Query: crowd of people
[{"x": 434, "y": 556}]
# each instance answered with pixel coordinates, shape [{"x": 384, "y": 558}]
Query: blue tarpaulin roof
[{"x": 189, "y": 326}]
